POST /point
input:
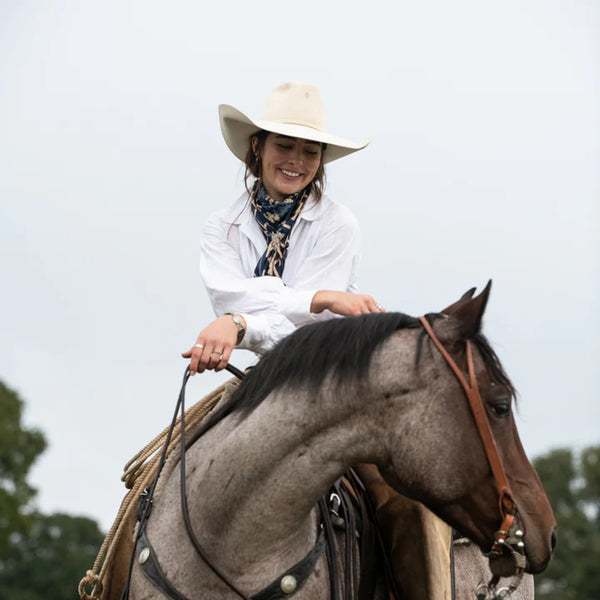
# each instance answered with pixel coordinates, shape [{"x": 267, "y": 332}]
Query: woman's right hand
[
  {"x": 347, "y": 304},
  {"x": 214, "y": 346}
]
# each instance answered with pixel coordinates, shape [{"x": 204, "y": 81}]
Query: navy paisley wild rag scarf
[{"x": 276, "y": 219}]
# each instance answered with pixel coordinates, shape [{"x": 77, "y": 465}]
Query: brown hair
[{"x": 253, "y": 168}]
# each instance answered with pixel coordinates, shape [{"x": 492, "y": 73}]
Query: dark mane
[{"x": 342, "y": 347}]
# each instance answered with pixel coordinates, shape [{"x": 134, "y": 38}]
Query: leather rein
[
  {"x": 294, "y": 577},
  {"x": 508, "y": 538}
]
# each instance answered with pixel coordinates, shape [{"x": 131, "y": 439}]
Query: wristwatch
[{"x": 241, "y": 330}]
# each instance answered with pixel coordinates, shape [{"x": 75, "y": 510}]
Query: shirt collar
[{"x": 240, "y": 212}]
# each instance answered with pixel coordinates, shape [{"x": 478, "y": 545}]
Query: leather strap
[
  {"x": 506, "y": 502},
  {"x": 300, "y": 571},
  {"x": 151, "y": 568}
]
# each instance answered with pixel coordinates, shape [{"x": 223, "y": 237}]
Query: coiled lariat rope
[{"x": 138, "y": 473}]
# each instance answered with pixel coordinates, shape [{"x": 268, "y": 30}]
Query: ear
[
  {"x": 454, "y": 307},
  {"x": 464, "y": 321}
]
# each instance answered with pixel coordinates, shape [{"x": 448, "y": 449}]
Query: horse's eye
[{"x": 501, "y": 409}]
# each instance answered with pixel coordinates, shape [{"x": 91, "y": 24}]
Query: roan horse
[{"x": 369, "y": 389}]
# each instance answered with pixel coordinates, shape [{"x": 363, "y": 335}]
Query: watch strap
[{"x": 241, "y": 330}]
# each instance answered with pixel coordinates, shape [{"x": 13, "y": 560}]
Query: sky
[{"x": 485, "y": 164}]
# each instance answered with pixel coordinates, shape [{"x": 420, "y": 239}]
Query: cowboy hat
[{"x": 293, "y": 109}]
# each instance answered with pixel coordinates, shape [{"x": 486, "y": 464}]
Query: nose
[{"x": 296, "y": 154}]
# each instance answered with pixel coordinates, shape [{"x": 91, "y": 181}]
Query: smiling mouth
[{"x": 290, "y": 173}]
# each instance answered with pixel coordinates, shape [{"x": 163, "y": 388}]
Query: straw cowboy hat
[{"x": 294, "y": 109}]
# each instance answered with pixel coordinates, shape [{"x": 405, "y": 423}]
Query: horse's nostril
[{"x": 553, "y": 540}]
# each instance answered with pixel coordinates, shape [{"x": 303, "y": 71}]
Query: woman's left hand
[
  {"x": 213, "y": 347},
  {"x": 347, "y": 304}
]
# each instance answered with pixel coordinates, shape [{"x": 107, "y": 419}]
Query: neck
[{"x": 246, "y": 484}]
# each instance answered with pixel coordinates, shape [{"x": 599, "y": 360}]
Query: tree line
[{"x": 43, "y": 557}]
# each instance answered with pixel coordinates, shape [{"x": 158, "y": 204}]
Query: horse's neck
[{"x": 259, "y": 479}]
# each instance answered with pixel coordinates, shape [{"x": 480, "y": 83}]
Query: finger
[
  {"x": 371, "y": 305},
  {"x": 205, "y": 358},
  {"x": 196, "y": 354},
  {"x": 214, "y": 359},
  {"x": 224, "y": 358}
]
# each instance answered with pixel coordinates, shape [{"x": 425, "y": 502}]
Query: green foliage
[
  {"x": 19, "y": 448},
  {"x": 49, "y": 562},
  {"x": 573, "y": 486},
  {"x": 41, "y": 557}
]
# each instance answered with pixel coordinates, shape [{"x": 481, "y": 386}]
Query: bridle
[{"x": 508, "y": 539}]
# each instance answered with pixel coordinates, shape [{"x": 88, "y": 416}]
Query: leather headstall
[{"x": 506, "y": 502}]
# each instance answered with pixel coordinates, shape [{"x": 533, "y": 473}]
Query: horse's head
[{"x": 459, "y": 485}]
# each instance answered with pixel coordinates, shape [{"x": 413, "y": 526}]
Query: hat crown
[{"x": 296, "y": 103}]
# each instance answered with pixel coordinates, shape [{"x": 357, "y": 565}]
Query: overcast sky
[{"x": 485, "y": 164}]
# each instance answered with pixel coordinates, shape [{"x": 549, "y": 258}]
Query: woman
[{"x": 284, "y": 254}]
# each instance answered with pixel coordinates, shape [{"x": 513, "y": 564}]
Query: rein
[
  {"x": 506, "y": 502},
  {"x": 283, "y": 586}
]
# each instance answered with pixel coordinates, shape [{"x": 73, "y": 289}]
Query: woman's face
[{"x": 288, "y": 164}]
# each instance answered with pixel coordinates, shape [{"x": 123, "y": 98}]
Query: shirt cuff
[
  {"x": 253, "y": 339},
  {"x": 295, "y": 304}
]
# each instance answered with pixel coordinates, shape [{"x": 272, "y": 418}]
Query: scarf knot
[{"x": 276, "y": 219}]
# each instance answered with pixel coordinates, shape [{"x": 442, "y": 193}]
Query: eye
[
  {"x": 284, "y": 146},
  {"x": 501, "y": 409},
  {"x": 312, "y": 152}
]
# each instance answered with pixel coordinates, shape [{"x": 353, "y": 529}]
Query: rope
[
  {"x": 138, "y": 473},
  {"x": 135, "y": 467}
]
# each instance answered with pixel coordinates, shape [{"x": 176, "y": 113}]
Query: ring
[
  {"x": 378, "y": 306},
  {"x": 219, "y": 353},
  {"x": 198, "y": 346}
]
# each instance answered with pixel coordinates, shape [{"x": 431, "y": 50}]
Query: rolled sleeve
[{"x": 323, "y": 254}]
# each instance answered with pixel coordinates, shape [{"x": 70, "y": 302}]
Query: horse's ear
[
  {"x": 464, "y": 320},
  {"x": 450, "y": 310}
]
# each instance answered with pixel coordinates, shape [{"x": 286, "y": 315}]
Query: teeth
[{"x": 290, "y": 173}]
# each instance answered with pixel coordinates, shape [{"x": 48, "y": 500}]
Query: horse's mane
[{"x": 340, "y": 347}]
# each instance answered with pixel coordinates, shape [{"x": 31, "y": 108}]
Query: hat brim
[{"x": 237, "y": 129}]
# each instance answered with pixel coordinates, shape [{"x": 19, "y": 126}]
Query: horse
[{"x": 331, "y": 396}]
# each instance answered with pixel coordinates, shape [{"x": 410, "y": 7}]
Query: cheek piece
[{"x": 508, "y": 540}]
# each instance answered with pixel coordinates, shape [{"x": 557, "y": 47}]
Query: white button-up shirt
[{"x": 323, "y": 254}]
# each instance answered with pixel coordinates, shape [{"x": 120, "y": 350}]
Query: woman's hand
[
  {"x": 213, "y": 346},
  {"x": 344, "y": 303}
]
